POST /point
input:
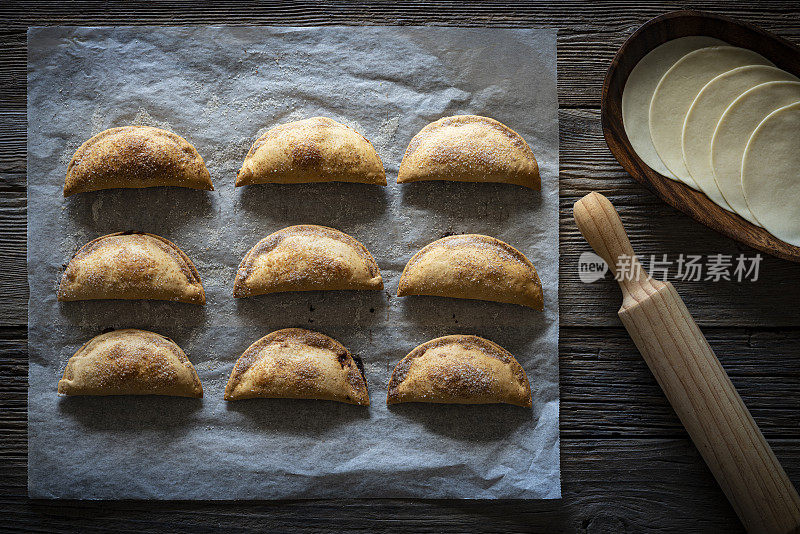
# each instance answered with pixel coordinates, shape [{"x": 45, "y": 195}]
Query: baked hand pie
[
  {"x": 306, "y": 258},
  {"x": 130, "y": 362},
  {"x": 469, "y": 148},
  {"x": 318, "y": 149},
  {"x": 459, "y": 370},
  {"x": 472, "y": 266},
  {"x": 294, "y": 363},
  {"x": 133, "y": 157},
  {"x": 131, "y": 265}
]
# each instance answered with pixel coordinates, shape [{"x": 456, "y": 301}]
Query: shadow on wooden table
[{"x": 330, "y": 515}]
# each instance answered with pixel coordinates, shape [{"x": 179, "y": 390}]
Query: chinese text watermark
[{"x": 686, "y": 267}]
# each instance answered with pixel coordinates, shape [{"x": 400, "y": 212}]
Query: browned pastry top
[
  {"x": 459, "y": 369},
  {"x": 130, "y": 362},
  {"x": 472, "y": 266},
  {"x": 133, "y": 157},
  {"x": 469, "y": 148},
  {"x": 303, "y": 258},
  {"x": 300, "y": 364},
  {"x": 318, "y": 149},
  {"x": 131, "y": 265}
]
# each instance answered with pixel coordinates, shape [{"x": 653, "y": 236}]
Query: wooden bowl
[{"x": 694, "y": 203}]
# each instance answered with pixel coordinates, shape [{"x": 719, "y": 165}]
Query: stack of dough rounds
[
  {"x": 771, "y": 173},
  {"x": 733, "y": 131},
  {"x": 639, "y": 89},
  {"x": 677, "y": 90},
  {"x": 691, "y": 109},
  {"x": 705, "y": 113}
]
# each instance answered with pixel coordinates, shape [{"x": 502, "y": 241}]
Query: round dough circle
[
  {"x": 638, "y": 92},
  {"x": 677, "y": 90},
  {"x": 771, "y": 173},
  {"x": 702, "y": 118},
  {"x": 734, "y": 130}
]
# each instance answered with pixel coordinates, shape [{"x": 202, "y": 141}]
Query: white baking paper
[{"x": 220, "y": 88}]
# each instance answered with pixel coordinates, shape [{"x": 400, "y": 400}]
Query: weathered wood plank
[
  {"x": 656, "y": 229},
  {"x": 13, "y": 134},
  {"x": 608, "y": 391},
  {"x": 13, "y": 251},
  {"x": 589, "y": 32}
]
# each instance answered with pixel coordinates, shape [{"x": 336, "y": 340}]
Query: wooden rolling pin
[{"x": 694, "y": 381}]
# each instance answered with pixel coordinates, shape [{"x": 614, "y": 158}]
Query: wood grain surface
[{"x": 627, "y": 463}]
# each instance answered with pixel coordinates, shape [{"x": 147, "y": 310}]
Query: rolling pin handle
[{"x": 599, "y": 222}]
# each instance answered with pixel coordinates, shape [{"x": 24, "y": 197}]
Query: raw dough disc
[
  {"x": 677, "y": 90},
  {"x": 703, "y": 116},
  {"x": 734, "y": 130},
  {"x": 771, "y": 173},
  {"x": 638, "y": 92}
]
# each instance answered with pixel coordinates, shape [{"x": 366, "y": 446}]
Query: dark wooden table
[{"x": 627, "y": 465}]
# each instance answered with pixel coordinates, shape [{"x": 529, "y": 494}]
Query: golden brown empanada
[
  {"x": 130, "y": 362},
  {"x": 459, "y": 370},
  {"x": 318, "y": 149},
  {"x": 306, "y": 258},
  {"x": 294, "y": 363},
  {"x": 133, "y": 157},
  {"x": 472, "y": 266},
  {"x": 469, "y": 148},
  {"x": 131, "y": 265}
]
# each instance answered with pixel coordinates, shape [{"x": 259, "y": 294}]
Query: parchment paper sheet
[{"x": 220, "y": 88}]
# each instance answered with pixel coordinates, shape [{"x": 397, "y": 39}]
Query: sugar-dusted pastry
[
  {"x": 318, "y": 149},
  {"x": 130, "y": 362},
  {"x": 469, "y": 148},
  {"x": 459, "y": 370},
  {"x": 306, "y": 258},
  {"x": 131, "y": 265},
  {"x": 294, "y": 363},
  {"x": 472, "y": 266},
  {"x": 133, "y": 157}
]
